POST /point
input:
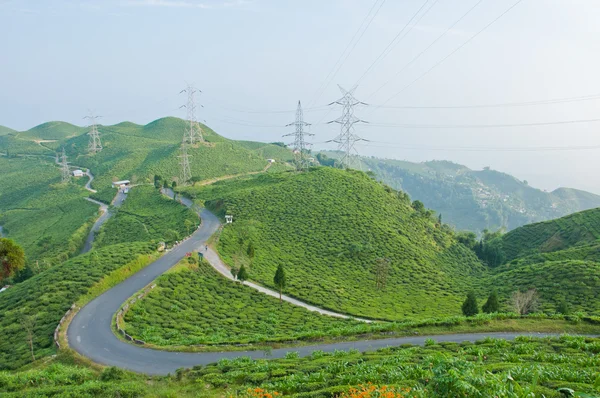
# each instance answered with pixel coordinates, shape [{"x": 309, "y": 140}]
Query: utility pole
[
  {"x": 193, "y": 132},
  {"x": 94, "y": 145},
  {"x": 186, "y": 173},
  {"x": 64, "y": 165},
  {"x": 347, "y": 138},
  {"x": 300, "y": 145}
]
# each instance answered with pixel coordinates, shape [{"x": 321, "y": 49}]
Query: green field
[
  {"x": 147, "y": 216},
  {"x": 48, "y": 219},
  {"x": 195, "y": 305},
  {"x": 328, "y": 227},
  {"x": 44, "y": 299},
  {"x": 527, "y": 367}
]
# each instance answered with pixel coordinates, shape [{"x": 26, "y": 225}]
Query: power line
[
  {"x": 482, "y": 126},
  {"x": 479, "y": 149},
  {"x": 453, "y": 52},
  {"x": 313, "y": 109},
  {"x": 397, "y": 38},
  {"x": 337, "y": 66},
  {"x": 499, "y": 105},
  {"x": 428, "y": 47}
]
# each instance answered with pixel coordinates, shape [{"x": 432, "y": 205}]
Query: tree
[
  {"x": 469, "y": 307},
  {"x": 174, "y": 184},
  {"x": 382, "y": 268},
  {"x": 234, "y": 272},
  {"x": 242, "y": 274},
  {"x": 525, "y": 302},
  {"x": 491, "y": 305},
  {"x": 28, "y": 325},
  {"x": 250, "y": 250},
  {"x": 468, "y": 239},
  {"x": 279, "y": 279},
  {"x": 188, "y": 224},
  {"x": 440, "y": 219},
  {"x": 157, "y": 181},
  {"x": 563, "y": 308},
  {"x": 418, "y": 206},
  {"x": 12, "y": 258},
  {"x": 165, "y": 184}
]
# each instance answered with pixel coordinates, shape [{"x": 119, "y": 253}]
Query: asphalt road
[{"x": 91, "y": 335}]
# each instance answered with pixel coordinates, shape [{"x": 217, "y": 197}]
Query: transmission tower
[
  {"x": 300, "y": 145},
  {"x": 193, "y": 132},
  {"x": 64, "y": 166},
  {"x": 186, "y": 173},
  {"x": 347, "y": 138},
  {"x": 94, "y": 145}
]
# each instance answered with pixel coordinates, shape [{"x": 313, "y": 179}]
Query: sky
[{"x": 427, "y": 92}]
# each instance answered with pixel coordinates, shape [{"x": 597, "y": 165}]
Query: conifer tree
[
  {"x": 469, "y": 307},
  {"x": 491, "y": 305},
  {"x": 279, "y": 279},
  {"x": 242, "y": 274}
]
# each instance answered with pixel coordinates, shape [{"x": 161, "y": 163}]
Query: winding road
[{"x": 91, "y": 335}]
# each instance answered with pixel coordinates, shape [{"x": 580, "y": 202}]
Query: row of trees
[
  {"x": 521, "y": 302},
  {"x": 279, "y": 279},
  {"x": 488, "y": 249}
]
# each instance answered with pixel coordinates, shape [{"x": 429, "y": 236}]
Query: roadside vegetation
[{"x": 488, "y": 368}]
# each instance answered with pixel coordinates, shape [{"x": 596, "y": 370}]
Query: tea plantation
[
  {"x": 328, "y": 227},
  {"x": 48, "y": 219},
  {"x": 195, "y": 305},
  {"x": 44, "y": 299},
  {"x": 146, "y": 216},
  {"x": 527, "y": 367}
]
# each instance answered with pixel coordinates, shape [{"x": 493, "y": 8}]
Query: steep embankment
[{"x": 328, "y": 228}]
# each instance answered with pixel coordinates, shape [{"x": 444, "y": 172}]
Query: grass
[
  {"x": 47, "y": 296},
  {"x": 147, "y": 216},
  {"x": 328, "y": 227},
  {"x": 195, "y": 306},
  {"x": 53, "y": 131},
  {"x": 490, "y": 367},
  {"x": 48, "y": 219}
]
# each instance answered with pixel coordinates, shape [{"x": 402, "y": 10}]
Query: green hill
[
  {"x": 53, "y": 131},
  {"x": 6, "y": 130},
  {"x": 329, "y": 227},
  {"x": 574, "y": 230},
  {"x": 477, "y": 200}
]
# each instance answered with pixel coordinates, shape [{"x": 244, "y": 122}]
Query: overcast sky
[{"x": 128, "y": 60}]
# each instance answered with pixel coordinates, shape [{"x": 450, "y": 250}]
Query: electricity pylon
[
  {"x": 64, "y": 167},
  {"x": 94, "y": 145},
  {"x": 347, "y": 138},
  {"x": 186, "y": 173},
  {"x": 300, "y": 145},
  {"x": 193, "y": 132}
]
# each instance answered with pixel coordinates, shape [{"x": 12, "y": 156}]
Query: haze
[{"x": 128, "y": 60}]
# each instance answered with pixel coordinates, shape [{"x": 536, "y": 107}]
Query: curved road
[{"x": 91, "y": 335}]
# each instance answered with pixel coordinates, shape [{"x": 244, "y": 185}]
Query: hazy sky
[{"x": 128, "y": 60}]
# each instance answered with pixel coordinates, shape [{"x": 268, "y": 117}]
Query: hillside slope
[
  {"x": 573, "y": 230},
  {"x": 477, "y": 200},
  {"x": 328, "y": 227},
  {"x": 52, "y": 131},
  {"x": 6, "y": 130}
]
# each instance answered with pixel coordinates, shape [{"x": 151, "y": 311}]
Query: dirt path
[{"x": 229, "y": 177}]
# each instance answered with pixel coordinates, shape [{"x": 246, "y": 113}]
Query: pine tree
[
  {"x": 279, "y": 279},
  {"x": 242, "y": 274},
  {"x": 469, "y": 307},
  {"x": 491, "y": 305}
]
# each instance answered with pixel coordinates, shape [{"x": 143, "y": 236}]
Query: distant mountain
[{"x": 477, "y": 199}]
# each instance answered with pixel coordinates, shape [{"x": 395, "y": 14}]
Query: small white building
[
  {"x": 121, "y": 184},
  {"x": 271, "y": 160},
  {"x": 78, "y": 173}
]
